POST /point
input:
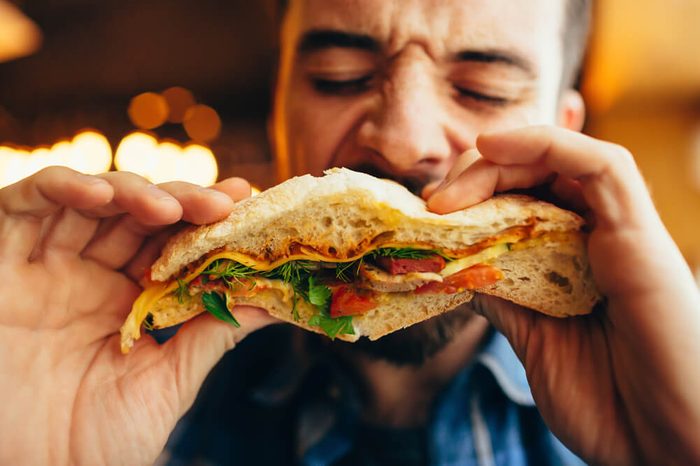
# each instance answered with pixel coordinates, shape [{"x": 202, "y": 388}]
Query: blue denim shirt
[{"x": 307, "y": 412}]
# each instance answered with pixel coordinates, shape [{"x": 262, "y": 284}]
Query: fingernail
[
  {"x": 90, "y": 179},
  {"x": 462, "y": 163},
  {"x": 159, "y": 194},
  {"x": 213, "y": 192}
]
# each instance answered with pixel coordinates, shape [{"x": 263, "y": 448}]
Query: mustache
[{"x": 413, "y": 183}]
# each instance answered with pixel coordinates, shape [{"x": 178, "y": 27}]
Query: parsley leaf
[
  {"x": 319, "y": 294},
  {"x": 332, "y": 326},
  {"x": 215, "y": 303}
]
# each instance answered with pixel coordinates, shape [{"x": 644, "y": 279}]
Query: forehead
[{"x": 441, "y": 26}]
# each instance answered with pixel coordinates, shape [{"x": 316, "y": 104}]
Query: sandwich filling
[{"x": 337, "y": 289}]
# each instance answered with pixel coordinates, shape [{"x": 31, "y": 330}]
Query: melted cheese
[{"x": 486, "y": 255}]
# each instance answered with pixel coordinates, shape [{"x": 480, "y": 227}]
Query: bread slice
[
  {"x": 345, "y": 214},
  {"x": 395, "y": 311}
]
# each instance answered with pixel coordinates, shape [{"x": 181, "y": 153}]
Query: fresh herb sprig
[
  {"x": 348, "y": 271},
  {"x": 299, "y": 274},
  {"x": 215, "y": 303},
  {"x": 231, "y": 272},
  {"x": 292, "y": 271},
  {"x": 320, "y": 296},
  {"x": 407, "y": 253},
  {"x": 183, "y": 292}
]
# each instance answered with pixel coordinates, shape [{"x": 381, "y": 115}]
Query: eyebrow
[
  {"x": 503, "y": 57},
  {"x": 319, "y": 39}
]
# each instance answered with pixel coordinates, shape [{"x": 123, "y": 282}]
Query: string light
[
  {"x": 88, "y": 152},
  {"x": 166, "y": 161}
]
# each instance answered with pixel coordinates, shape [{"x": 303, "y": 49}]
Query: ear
[{"x": 572, "y": 111}]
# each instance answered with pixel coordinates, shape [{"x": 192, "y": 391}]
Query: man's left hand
[{"x": 619, "y": 386}]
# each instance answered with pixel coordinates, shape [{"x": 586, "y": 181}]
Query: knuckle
[
  {"x": 620, "y": 156},
  {"x": 125, "y": 176},
  {"x": 53, "y": 172}
]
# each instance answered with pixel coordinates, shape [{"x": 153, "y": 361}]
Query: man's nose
[{"x": 407, "y": 124}]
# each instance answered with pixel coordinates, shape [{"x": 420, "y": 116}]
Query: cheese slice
[{"x": 486, "y": 255}]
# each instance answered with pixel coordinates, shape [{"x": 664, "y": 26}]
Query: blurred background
[{"x": 181, "y": 89}]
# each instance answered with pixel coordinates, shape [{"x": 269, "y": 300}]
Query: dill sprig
[
  {"x": 182, "y": 292},
  {"x": 231, "y": 272},
  {"x": 407, "y": 253},
  {"x": 348, "y": 271},
  {"x": 292, "y": 271}
]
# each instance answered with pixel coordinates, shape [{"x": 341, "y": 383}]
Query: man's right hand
[{"x": 72, "y": 249}]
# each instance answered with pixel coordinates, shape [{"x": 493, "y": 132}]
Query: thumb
[
  {"x": 513, "y": 321},
  {"x": 201, "y": 343}
]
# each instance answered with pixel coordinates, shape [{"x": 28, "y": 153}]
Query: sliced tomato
[
  {"x": 473, "y": 278},
  {"x": 397, "y": 266},
  {"x": 348, "y": 301}
]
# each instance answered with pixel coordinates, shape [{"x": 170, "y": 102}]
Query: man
[{"x": 404, "y": 89}]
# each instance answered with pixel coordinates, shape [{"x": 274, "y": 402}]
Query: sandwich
[{"x": 350, "y": 255}]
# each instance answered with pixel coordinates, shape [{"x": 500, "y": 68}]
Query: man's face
[{"x": 400, "y": 88}]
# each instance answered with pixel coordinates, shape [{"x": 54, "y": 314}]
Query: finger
[
  {"x": 199, "y": 205},
  {"x": 116, "y": 243},
  {"x": 610, "y": 181},
  {"x": 24, "y": 204},
  {"x": 236, "y": 188},
  {"x": 116, "y": 246},
  {"x": 482, "y": 177},
  {"x": 200, "y": 343},
  {"x": 513, "y": 321},
  {"x": 140, "y": 264},
  {"x": 140, "y": 198},
  {"x": 462, "y": 162},
  {"x": 67, "y": 232},
  {"x": 569, "y": 192}
]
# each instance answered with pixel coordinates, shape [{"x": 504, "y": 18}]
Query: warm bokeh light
[
  {"x": 202, "y": 123},
  {"x": 166, "y": 161},
  {"x": 148, "y": 110},
  {"x": 88, "y": 152},
  {"x": 179, "y": 101},
  {"x": 19, "y": 36},
  {"x": 91, "y": 153}
]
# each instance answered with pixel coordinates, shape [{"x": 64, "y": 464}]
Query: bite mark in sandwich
[{"x": 351, "y": 255}]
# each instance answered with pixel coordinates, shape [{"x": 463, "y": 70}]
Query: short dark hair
[{"x": 575, "y": 29}]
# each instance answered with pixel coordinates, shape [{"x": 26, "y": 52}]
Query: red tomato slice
[
  {"x": 475, "y": 277},
  {"x": 347, "y": 301}
]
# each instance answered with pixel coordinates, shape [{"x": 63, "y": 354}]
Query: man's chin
[{"x": 414, "y": 345}]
